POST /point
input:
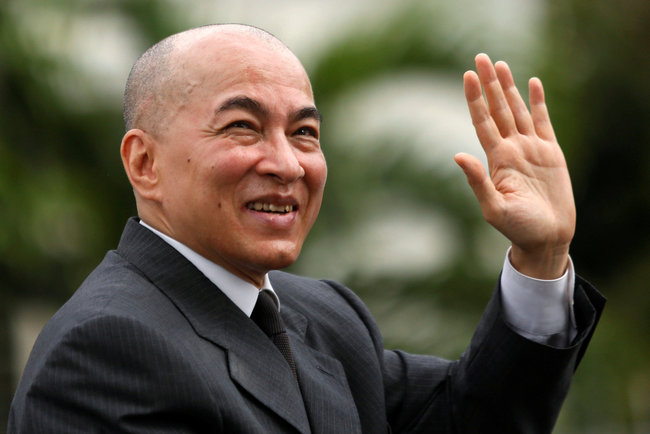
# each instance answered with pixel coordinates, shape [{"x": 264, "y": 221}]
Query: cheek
[
  {"x": 222, "y": 169},
  {"x": 233, "y": 164},
  {"x": 315, "y": 177},
  {"x": 316, "y": 173}
]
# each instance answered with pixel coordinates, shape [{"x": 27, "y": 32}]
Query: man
[{"x": 222, "y": 150}]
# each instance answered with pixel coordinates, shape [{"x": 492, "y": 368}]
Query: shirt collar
[{"x": 240, "y": 292}]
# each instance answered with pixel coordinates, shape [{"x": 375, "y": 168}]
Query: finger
[
  {"x": 539, "y": 111},
  {"x": 517, "y": 105},
  {"x": 499, "y": 108},
  {"x": 486, "y": 130},
  {"x": 480, "y": 182}
]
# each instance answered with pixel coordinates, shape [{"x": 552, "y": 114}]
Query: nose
[{"x": 280, "y": 160}]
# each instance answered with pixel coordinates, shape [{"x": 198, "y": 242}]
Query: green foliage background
[{"x": 64, "y": 197}]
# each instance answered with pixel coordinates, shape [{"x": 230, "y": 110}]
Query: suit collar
[
  {"x": 254, "y": 362},
  {"x": 239, "y": 291}
]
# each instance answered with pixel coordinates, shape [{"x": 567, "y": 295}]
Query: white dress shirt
[
  {"x": 540, "y": 310},
  {"x": 240, "y": 292}
]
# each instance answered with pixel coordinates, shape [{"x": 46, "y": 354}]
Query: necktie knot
[{"x": 266, "y": 315}]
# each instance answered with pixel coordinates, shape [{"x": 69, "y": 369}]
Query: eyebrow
[
  {"x": 255, "y": 107},
  {"x": 306, "y": 113},
  {"x": 244, "y": 103}
]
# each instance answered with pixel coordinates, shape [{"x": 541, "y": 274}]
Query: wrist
[{"x": 542, "y": 263}]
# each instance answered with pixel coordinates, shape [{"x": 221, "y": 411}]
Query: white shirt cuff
[{"x": 541, "y": 310}]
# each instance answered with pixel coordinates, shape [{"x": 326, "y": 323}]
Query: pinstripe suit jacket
[{"x": 148, "y": 344}]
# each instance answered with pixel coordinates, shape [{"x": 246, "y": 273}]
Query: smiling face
[{"x": 240, "y": 172}]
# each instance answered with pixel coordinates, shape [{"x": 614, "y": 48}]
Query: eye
[
  {"x": 240, "y": 124},
  {"x": 306, "y": 131}
]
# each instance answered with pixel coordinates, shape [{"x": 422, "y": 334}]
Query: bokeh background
[{"x": 398, "y": 225}]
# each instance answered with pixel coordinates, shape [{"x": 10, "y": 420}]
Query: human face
[{"x": 241, "y": 170}]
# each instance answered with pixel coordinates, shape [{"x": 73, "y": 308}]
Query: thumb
[{"x": 478, "y": 180}]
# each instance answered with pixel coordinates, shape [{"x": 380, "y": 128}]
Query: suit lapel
[
  {"x": 325, "y": 390},
  {"x": 254, "y": 362},
  {"x": 259, "y": 367}
]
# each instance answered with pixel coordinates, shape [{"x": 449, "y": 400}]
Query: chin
[
  {"x": 279, "y": 257},
  {"x": 282, "y": 261}
]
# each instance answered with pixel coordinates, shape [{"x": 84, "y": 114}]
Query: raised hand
[{"x": 527, "y": 195}]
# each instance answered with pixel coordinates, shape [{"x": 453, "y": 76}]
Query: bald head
[{"x": 156, "y": 82}]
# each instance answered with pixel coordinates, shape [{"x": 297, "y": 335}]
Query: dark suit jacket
[{"x": 148, "y": 344}]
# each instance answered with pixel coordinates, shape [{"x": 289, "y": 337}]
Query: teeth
[{"x": 270, "y": 207}]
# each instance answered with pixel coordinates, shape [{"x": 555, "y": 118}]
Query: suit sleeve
[
  {"x": 502, "y": 383},
  {"x": 97, "y": 378}
]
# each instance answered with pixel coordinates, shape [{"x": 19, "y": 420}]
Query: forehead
[{"x": 232, "y": 62}]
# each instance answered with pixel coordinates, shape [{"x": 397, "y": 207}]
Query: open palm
[{"x": 527, "y": 195}]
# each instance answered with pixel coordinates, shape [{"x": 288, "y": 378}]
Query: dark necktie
[{"x": 266, "y": 316}]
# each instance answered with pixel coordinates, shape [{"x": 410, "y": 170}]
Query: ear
[{"x": 138, "y": 157}]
